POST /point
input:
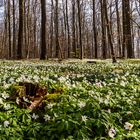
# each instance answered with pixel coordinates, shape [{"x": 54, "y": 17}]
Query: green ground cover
[{"x": 69, "y": 101}]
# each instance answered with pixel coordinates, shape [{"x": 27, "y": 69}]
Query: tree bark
[
  {"x": 127, "y": 40},
  {"x": 43, "y": 30},
  {"x": 20, "y": 32}
]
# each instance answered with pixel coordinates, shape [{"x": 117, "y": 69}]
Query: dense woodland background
[{"x": 70, "y": 29}]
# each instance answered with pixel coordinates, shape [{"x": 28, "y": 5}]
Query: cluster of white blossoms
[
  {"x": 5, "y": 95},
  {"x": 6, "y": 106},
  {"x": 112, "y": 132},
  {"x": 62, "y": 79}
]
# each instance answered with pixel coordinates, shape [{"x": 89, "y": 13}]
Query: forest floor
[{"x": 69, "y": 100}]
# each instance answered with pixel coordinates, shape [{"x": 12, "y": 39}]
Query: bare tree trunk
[
  {"x": 9, "y": 30},
  {"x": 73, "y": 29},
  {"x": 118, "y": 29},
  {"x": 28, "y": 30},
  {"x": 68, "y": 30},
  {"x": 20, "y": 32},
  {"x": 80, "y": 30},
  {"x": 56, "y": 30},
  {"x": 104, "y": 47},
  {"x": 94, "y": 29},
  {"x": 127, "y": 42},
  {"x": 43, "y": 30},
  {"x": 109, "y": 33},
  {"x": 35, "y": 31},
  {"x": 14, "y": 32}
]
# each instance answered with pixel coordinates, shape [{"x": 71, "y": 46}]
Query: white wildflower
[
  {"x": 108, "y": 97},
  {"x": 104, "y": 84},
  {"x": 47, "y": 118},
  {"x": 131, "y": 97},
  {"x": 106, "y": 101},
  {"x": 17, "y": 100},
  {"x": 129, "y": 113},
  {"x": 36, "y": 78},
  {"x": 62, "y": 79},
  {"x": 26, "y": 99},
  {"x": 82, "y": 104},
  {"x": 11, "y": 80},
  {"x": 98, "y": 84},
  {"x": 5, "y": 95},
  {"x": 6, "y": 86},
  {"x": 134, "y": 102},
  {"x": 34, "y": 116},
  {"x": 6, "y": 123},
  {"x": 101, "y": 100},
  {"x": 84, "y": 118},
  {"x": 110, "y": 92},
  {"x": 56, "y": 76},
  {"x": 91, "y": 93},
  {"x": 49, "y": 106},
  {"x": 128, "y": 126},
  {"x": 109, "y": 110},
  {"x": 122, "y": 83},
  {"x": 116, "y": 80},
  {"x": 73, "y": 85},
  {"x": 112, "y": 133},
  {"x": 7, "y": 106}
]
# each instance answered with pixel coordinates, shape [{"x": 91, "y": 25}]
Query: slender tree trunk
[
  {"x": 14, "y": 31},
  {"x": 73, "y": 29},
  {"x": 68, "y": 30},
  {"x": 20, "y": 32},
  {"x": 35, "y": 27},
  {"x": 56, "y": 30},
  {"x": 28, "y": 30},
  {"x": 80, "y": 29},
  {"x": 104, "y": 47},
  {"x": 51, "y": 29},
  {"x": 25, "y": 48},
  {"x": 9, "y": 30},
  {"x": 43, "y": 30},
  {"x": 94, "y": 29},
  {"x": 118, "y": 29}
]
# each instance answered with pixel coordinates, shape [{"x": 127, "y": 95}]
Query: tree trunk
[
  {"x": 20, "y": 32},
  {"x": 43, "y": 30},
  {"x": 94, "y": 29},
  {"x": 109, "y": 32},
  {"x": 56, "y": 30},
  {"x": 9, "y": 30},
  {"x": 118, "y": 29},
  {"x": 73, "y": 29},
  {"x": 14, "y": 31},
  {"x": 104, "y": 47},
  {"x": 127, "y": 42},
  {"x": 80, "y": 30}
]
